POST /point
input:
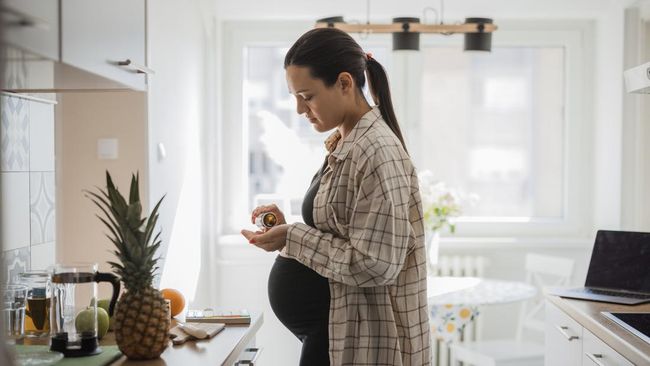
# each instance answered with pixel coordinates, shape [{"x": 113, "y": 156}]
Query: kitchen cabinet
[
  {"x": 106, "y": 38},
  {"x": 596, "y": 353},
  {"x": 32, "y": 25},
  {"x": 577, "y": 334},
  {"x": 74, "y": 45},
  {"x": 563, "y": 338}
]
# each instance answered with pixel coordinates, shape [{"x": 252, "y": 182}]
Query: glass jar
[{"x": 37, "y": 311}]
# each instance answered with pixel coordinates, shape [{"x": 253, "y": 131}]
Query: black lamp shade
[
  {"x": 331, "y": 20},
  {"x": 406, "y": 40},
  {"x": 479, "y": 41}
]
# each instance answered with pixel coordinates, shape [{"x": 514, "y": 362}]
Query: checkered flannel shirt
[{"x": 369, "y": 243}]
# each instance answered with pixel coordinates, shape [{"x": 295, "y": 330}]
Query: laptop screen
[{"x": 620, "y": 260}]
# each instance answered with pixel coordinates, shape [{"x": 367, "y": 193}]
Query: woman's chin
[{"x": 320, "y": 128}]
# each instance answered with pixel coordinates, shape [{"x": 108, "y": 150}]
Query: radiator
[{"x": 458, "y": 266}]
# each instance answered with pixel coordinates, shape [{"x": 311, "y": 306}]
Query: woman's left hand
[{"x": 271, "y": 240}]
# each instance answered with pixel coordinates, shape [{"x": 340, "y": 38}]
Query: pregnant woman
[{"x": 350, "y": 282}]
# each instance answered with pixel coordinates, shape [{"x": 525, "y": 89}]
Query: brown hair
[{"x": 327, "y": 52}]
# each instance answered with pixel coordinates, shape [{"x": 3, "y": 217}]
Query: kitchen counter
[
  {"x": 223, "y": 349},
  {"x": 587, "y": 313}
]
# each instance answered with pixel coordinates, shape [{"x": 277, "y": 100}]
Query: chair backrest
[{"x": 541, "y": 271}]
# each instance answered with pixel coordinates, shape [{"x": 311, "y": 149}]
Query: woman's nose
[{"x": 300, "y": 106}]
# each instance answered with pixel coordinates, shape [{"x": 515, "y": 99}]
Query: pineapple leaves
[
  {"x": 130, "y": 233},
  {"x": 134, "y": 195}
]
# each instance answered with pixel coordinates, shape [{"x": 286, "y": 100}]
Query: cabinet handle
[
  {"x": 563, "y": 329},
  {"x": 595, "y": 358},
  {"x": 252, "y": 361},
  {"x": 140, "y": 69}
]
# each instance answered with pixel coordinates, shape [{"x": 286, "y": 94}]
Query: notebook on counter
[
  {"x": 218, "y": 316},
  {"x": 619, "y": 270}
]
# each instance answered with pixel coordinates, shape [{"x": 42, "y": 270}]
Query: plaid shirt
[{"x": 370, "y": 245}]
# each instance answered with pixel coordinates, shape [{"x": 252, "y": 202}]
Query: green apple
[
  {"x": 102, "y": 322},
  {"x": 104, "y": 304},
  {"x": 84, "y": 321}
]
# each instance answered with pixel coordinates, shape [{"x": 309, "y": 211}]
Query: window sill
[{"x": 457, "y": 242}]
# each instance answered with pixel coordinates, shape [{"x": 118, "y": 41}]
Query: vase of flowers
[{"x": 441, "y": 205}]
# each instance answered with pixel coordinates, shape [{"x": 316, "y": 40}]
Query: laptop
[{"x": 619, "y": 270}]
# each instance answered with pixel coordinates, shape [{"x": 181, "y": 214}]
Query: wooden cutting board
[{"x": 178, "y": 336}]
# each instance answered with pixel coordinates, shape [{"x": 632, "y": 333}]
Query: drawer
[
  {"x": 563, "y": 337},
  {"x": 596, "y": 353}
]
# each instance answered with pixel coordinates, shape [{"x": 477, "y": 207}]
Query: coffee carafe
[{"x": 74, "y": 308}]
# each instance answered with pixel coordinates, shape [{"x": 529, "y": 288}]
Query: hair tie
[{"x": 369, "y": 56}]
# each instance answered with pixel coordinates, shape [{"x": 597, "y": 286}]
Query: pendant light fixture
[{"x": 406, "y": 30}]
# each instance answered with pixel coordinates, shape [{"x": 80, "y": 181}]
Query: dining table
[{"x": 455, "y": 302}]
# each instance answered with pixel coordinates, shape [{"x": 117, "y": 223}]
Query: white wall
[{"x": 177, "y": 35}]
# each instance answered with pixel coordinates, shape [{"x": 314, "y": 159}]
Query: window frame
[{"x": 576, "y": 37}]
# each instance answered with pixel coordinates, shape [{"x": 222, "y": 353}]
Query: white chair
[{"x": 541, "y": 271}]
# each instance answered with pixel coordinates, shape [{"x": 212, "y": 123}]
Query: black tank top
[{"x": 308, "y": 201}]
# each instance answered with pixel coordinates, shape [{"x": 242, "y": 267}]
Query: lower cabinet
[
  {"x": 596, "y": 352},
  {"x": 563, "y": 338},
  {"x": 568, "y": 343}
]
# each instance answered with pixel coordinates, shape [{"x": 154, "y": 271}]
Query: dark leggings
[{"x": 300, "y": 298}]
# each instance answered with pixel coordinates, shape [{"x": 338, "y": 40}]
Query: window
[
  {"x": 507, "y": 126},
  {"x": 493, "y": 125}
]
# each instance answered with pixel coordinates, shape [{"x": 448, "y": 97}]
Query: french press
[{"x": 74, "y": 308}]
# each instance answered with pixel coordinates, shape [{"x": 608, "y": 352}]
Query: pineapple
[{"x": 141, "y": 316}]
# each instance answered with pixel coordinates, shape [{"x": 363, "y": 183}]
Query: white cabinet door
[
  {"x": 106, "y": 38},
  {"x": 596, "y": 353},
  {"x": 563, "y": 337},
  {"x": 32, "y": 25}
]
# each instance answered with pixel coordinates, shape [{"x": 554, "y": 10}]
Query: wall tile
[
  {"x": 15, "y": 210},
  {"x": 42, "y": 206},
  {"x": 43, "y": 256},
  {"x": 16, "y": 70},
  {"x": 14, "y": 262},
  {"x": 14, "y": 134},
  {"x": 41, "y": 137}
]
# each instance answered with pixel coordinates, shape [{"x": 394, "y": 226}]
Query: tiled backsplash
[{"x": 28, "y": 185}]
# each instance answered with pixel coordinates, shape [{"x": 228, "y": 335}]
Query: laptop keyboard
[{"x": 614, "y": 293}]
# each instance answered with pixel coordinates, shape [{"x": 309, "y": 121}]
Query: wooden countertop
[
  {"x": 587, "y": 313},
  {"x": 222, "y": 349}
]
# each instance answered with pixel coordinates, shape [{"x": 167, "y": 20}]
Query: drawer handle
[
  {"x": 595, "y": 358},
  {"x": 563, "y": 329},
  {"x": 140, "y": 69},
  {"x": 252, "y": 361}
]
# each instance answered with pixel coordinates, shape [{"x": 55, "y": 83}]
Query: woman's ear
[{"x": 346, "y": 82}]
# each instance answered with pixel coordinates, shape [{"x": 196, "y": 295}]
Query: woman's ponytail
[{"x": 380, "y": 91}]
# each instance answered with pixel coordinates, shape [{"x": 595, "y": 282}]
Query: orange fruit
[{"x": 176, "y": 300}]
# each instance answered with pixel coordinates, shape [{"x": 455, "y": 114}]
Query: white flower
[{"x": 441, "y": 204}]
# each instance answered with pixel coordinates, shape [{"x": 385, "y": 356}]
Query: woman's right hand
[{"x": 268, "y": 208}]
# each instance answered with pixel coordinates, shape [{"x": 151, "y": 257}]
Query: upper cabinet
[
  {"x": 62, "y": 45},
  {"x": 106, "y": 38},
  {"x": 32, "y": 25}
]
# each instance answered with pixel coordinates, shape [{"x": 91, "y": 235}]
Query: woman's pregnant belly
[{"x": 299, "y": 297}]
